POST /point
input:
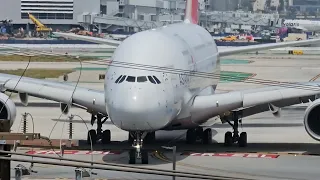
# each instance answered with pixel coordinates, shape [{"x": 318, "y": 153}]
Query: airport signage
[
  {"x": 76, "y": 152},
  {"x": 244, "y": 155}
]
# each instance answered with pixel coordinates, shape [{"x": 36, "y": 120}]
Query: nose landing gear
[{"x": 138, "y": 152}]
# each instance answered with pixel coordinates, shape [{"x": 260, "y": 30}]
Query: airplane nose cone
[{"x": 139, "y": 109}]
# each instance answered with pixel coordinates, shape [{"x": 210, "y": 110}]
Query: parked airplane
[
  {"x": 144, "y": 101},
  {"x": 304, "y": 25}
]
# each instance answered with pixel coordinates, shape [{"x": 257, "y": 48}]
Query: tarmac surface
[{"x": 279, "y": 148}]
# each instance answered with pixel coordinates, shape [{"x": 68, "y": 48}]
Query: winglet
[{"x": 191, "y": 12}]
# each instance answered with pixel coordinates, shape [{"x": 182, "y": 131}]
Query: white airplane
[
  {"x": 304, "y": 25},
  {"x": 144, "y": 101}
]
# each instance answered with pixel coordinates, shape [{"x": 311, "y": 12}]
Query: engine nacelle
[
  {"x": 9, "y": 109},
  {"x": 312, "y": 120}
]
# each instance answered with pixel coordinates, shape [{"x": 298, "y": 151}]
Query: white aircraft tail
[{"x": 191, "y": 13}]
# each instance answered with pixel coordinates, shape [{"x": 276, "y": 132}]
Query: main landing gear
[
  {"x": 95, "y": 135},
  {"x": 230, "y": 138},
  {"x": 137, "y": 143},
  {"x": 198, "y": 133}
]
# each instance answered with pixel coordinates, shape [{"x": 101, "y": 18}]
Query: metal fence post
[
  {"x": 174, "y": 149},
  {"x": 18, "y": 173},
  {"x": 78, "y": 174}
]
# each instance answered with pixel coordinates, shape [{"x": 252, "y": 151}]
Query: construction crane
[{"x": 40, "y": 28}]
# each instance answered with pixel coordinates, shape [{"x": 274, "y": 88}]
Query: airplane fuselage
[
  {"x": 306, "y": 25},
  {"x": 139, "y": 95}
]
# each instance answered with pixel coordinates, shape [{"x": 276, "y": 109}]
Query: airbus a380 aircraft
[{"x": 144, "y": 101}]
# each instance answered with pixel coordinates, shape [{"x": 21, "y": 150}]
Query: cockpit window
[
  {"x": 151, "y": 80},
  {"x": 157, "y": 80},
  {"x": 118, "y": 79},
  {"x": 131, "y": 79},
  {"x": 142, "y": 79},
  {"x": 122, "y": 79}
]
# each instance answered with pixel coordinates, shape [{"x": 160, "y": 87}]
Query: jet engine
[
  {"x": 8, "y": 107},
  {"x": 312, "y": 120}
]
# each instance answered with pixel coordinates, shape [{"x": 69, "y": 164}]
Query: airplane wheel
[
  {"x": 106, "y": 137},
  {"x": 207, "y": 136},
  {"x": 144, "y": 157},
  {"x": 191, "y": 136},
  {"x": 93, "y": 135},
  {"x": 243, "y": 139},
  {"x": 132, "y": 156},
  {"x": 228, "y": 139}
]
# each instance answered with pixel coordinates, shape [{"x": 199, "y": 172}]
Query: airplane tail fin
[{"x": 191, "y": 13}]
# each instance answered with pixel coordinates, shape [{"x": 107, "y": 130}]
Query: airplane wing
[
  {"x": 259, "y": 47},
  {"x": 222, "y": 52},
  {"x": 254, "y": 101},
  {"x": 89, "y": 39},
  {"x": 67, "y": 94}
]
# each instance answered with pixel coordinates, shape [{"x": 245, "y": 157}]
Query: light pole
[{"x": 174, "y": 149}]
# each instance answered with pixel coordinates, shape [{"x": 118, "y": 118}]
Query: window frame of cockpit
[
  {"x": 156, "y": 79},
  {"x": 124, "y": 77},
  {"x": 133, "y": 80},
  {"x": 150, "y": 78},
  {"x": 139, "y": 77},
  {"x": 118, "y": 79}
]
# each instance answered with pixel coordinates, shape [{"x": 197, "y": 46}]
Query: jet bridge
[{"x": 104, "y": 21}]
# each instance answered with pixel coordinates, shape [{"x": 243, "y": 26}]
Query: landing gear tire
[
  {"x": 92, "y": 137},
  {"x": 144, "y": 157},
  {"x": 207, "y": 136},
  {"x": 191, "y": 136},
  {"x": 132, "y": 156},
  {"x": 242, "y": 139},
  {"x": 106, "y": 137},
  {"x": 228, "y": 139}
]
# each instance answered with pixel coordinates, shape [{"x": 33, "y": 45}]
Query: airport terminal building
[
  {"x": 73, "y": 12},
  {"x": 50, "y": 12}
]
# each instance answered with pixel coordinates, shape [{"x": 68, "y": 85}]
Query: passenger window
[
  {"x": 122, "y": 79},
  {"x": 142, "y": 79},
  {"x": 155, "y": 78},
  {"x": 118, "y": 79},
  {"x": 151, "y": 80},
  {"x": 131, "y": 79}
]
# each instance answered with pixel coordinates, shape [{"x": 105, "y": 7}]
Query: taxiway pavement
[{"x": 270, "y": 140}]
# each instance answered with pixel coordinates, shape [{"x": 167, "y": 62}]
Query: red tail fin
[{"x": 191, "y": 13}]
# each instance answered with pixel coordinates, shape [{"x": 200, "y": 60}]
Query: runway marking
[
  {"x": 77, "y": 152},
  {"x": 162, "y": 157},
  {"x": 244, "y": 155}
]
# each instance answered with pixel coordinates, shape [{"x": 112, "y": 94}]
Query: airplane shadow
[{"x": 159, "y": 154}]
